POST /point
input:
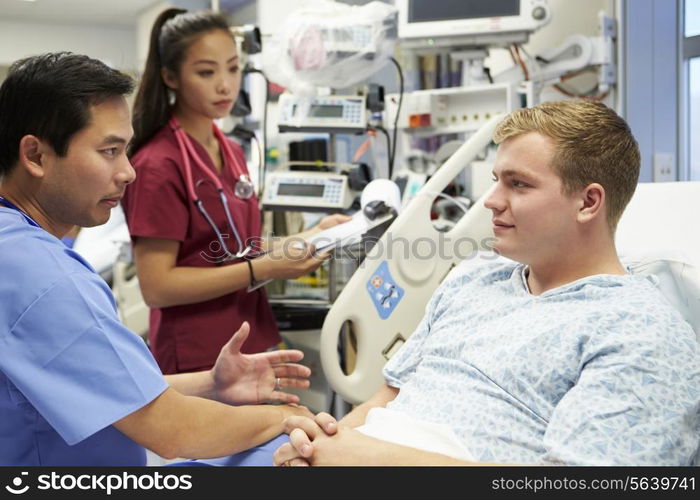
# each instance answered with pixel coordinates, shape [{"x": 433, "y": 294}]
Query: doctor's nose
[{"x": 126, "y": 174}]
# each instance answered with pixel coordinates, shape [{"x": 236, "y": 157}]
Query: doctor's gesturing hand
[{"x": 256, "y": 378}]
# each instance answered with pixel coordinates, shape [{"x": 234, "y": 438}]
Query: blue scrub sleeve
[{"x": 75, "y": 362}]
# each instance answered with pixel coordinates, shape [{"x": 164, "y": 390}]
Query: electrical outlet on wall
[{"x": 664, "y": 167}]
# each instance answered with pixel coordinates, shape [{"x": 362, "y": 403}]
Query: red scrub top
[{"x": 189, "y": 337}]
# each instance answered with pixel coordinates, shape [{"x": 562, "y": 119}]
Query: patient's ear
[
  {"x": 32, "y": 151},
  {"x": 592, "y": 203}
]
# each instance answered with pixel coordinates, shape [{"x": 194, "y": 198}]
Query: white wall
[{"x": 114, "y": 46}]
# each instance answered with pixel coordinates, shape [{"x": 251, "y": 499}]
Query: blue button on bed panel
[{"x": 384, "y": 291}]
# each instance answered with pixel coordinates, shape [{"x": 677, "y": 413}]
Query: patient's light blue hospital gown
[
  {"x": 68, "y": 368},
  {"x": 599, "y": 371}
]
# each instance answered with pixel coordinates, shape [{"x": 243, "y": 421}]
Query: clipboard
[{"x": 338, "y": 236}]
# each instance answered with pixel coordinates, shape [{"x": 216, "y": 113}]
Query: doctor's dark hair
[
  {"x": 592, "y": 144},
  {"x": 172, "y": 34},
  {"x": 49, "y": 96}
]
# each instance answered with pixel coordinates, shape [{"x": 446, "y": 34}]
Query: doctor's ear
[
  {"x": 32, "y": 152},
  {"x": 592, "y": 202}
]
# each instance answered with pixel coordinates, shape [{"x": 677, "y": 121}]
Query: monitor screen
[
  {"x": 313, "y": 190},
  {"x": 326, "y": 111},
  {"x": 420, "y": 11}
]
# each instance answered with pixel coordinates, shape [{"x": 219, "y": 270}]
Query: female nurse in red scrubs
[{"x": 192, "y": 213}]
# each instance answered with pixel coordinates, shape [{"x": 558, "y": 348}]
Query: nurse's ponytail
[{"x": 173, "y": 32}]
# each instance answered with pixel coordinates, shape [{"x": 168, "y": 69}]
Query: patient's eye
[{"x": 518, "y": 184}]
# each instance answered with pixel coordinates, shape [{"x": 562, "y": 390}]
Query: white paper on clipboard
[
  {"x": 338, "y": 236},
  {"x": 345, "y": 233}
]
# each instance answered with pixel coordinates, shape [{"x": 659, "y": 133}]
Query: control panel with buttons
[
  {"x": 384, "y": 291},
  {"x": 306, "y": 191},
  {"x": 330, "y": 114}
]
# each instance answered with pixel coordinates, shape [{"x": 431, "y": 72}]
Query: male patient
[{"x": 558, "y": 356}]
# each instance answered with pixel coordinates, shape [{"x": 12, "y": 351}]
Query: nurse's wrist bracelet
[{"x": 253, "y": 281}]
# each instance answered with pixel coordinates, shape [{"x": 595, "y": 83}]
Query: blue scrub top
[{"x": 68, "y": 368}]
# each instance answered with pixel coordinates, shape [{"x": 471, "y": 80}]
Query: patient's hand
[
  {"x": 302, "y": 431},
  {"x": 311, "y": 445}
]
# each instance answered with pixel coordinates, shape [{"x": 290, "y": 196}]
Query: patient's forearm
[
  {"x": 393, "y": 454},
  {"x": 351, "y": 447},
  {"x": 396, "y": 454},
  {"x": 357, "y": 416}
]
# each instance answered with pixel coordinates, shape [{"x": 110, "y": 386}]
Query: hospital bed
[{"x": 385, "y": 299}]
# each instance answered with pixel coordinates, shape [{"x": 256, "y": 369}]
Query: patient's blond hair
[{"x": 593, "y": 144}]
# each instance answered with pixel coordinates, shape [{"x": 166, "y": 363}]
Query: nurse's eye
[
  {"x": 205, "y": 73},
  {"x": 234, "y": 69}
]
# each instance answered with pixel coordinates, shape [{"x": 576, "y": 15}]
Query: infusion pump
[
  {"x": 307, "y": 191},
  {"x": 335, "y": 113}
]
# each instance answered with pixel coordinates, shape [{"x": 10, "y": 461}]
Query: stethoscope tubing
[{"x": 187, "y": 150}]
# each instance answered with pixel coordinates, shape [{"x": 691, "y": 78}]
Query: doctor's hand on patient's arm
[
  {"x": 178, "y": 425},
  {"x": 256, "y": 378}
]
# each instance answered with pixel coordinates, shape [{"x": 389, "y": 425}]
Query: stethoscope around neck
[{"x": 243, "y": 189}]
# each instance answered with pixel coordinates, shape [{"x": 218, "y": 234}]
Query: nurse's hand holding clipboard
[
  {"x": 292, "y": 256},
  {"x": 257, "y": 378}
]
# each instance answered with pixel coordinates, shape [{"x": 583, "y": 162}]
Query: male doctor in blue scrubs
[{"x": 77, "y": 387}]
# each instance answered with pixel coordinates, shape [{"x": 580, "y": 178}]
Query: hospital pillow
[
  {"x": 678, "y": 280},
  {"x": 657, "y": 235}
]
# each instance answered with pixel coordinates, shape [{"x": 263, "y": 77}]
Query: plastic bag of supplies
[{"x": 330, "y": 44}]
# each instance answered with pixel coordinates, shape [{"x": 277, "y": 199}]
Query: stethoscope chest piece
[{"x": 243, "y": 188}]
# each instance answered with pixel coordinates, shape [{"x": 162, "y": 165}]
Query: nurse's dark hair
[
  {"x": 172, "y": 34},
  {"x": 49, "y": 96}
]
